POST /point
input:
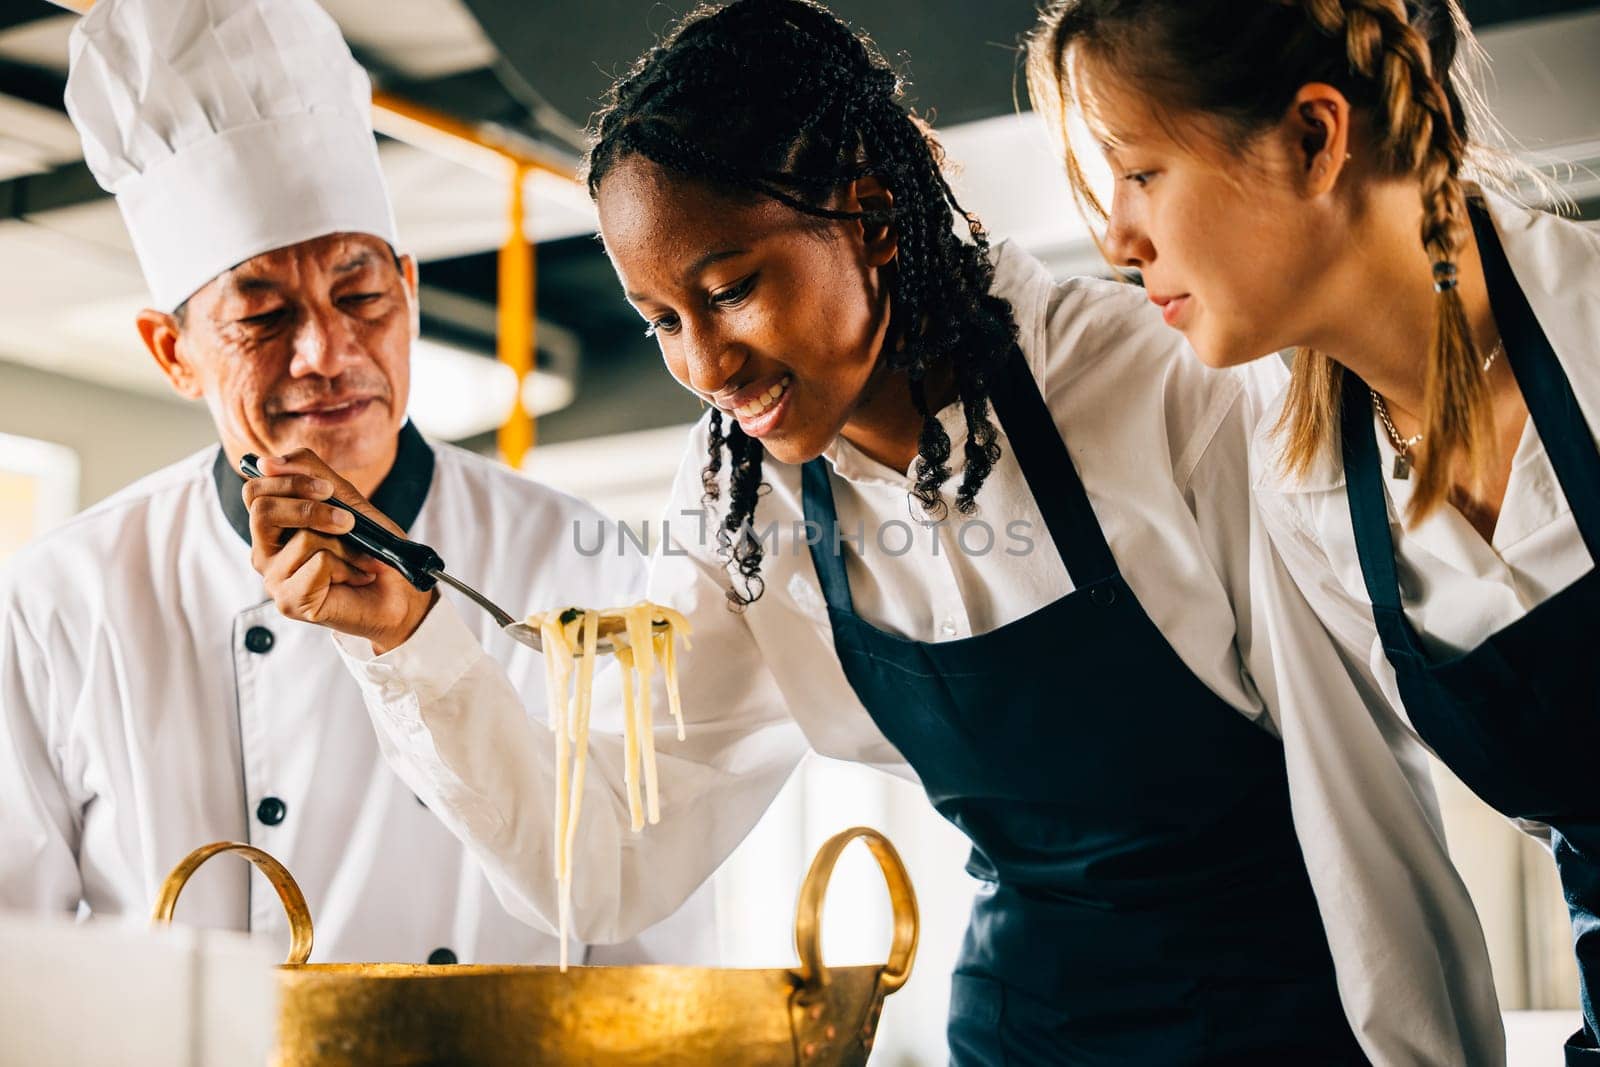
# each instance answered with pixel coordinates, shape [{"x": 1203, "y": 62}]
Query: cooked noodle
[{"x": 646, "y": 640}]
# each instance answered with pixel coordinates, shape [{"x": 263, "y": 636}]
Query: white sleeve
[
  {"x": 38, "y": 828},
  {"x": 1411, "y": 960},
  {"x": 451, "y": 725}
]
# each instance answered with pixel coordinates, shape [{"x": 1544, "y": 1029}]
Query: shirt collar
[
  {"x": 854, "y": 465},
  {"x": 400, "y": 497},
  {"x": 1531, "y": 502}
]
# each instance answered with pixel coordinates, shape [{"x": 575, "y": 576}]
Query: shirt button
[
  {"x": 258, "y": 639},
  {"x": 1103, "y": 595},
  {"x": 441, "y": 957},
  {"x": 271, "y": 810},
  {"x": 948, "y": 628}
]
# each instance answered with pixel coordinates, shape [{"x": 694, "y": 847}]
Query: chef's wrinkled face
[
  {"x": 303, "y": 347},
  {"x": 772, "y": 315},
  {"x": 1228, "y": 245}
]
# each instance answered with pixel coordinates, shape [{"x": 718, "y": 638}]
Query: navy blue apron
[
  {"x": 1144, "y": 899},
  {"x": 1517, "y": 718}
]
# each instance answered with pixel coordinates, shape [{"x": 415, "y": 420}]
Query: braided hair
[
  {"x": 781, "y": 99},
  {"x": 1242, "y": 64}
]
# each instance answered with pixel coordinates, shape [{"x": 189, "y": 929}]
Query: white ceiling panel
[
  {"x": 48, "y": 131},
  {"x": 422, "y": 38},
  {"x": 97, "y": 224},
  {"x": 40, "y": 43},
  {"x": 42, "y": 267}
]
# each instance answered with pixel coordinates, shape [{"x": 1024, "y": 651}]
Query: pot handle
[
  {"x": 294, "y": 901},
  {"x": 808, "y": 912}
]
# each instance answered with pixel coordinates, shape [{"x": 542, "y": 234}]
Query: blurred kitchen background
[{"x": 84, "y": 411}]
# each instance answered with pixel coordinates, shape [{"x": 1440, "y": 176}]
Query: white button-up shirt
[
  {"x": 153, "y": 700},
  {"x": 1161, "y": 445},
  {"x": 1456, "y": 588}
]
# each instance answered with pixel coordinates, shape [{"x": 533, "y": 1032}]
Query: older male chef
[{"x": 151, "y": 698}]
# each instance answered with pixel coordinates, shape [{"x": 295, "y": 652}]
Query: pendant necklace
[{"x": 1403, "y": 445}]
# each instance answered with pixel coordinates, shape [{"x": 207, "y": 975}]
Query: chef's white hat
[{"x": 226, "y": 128}]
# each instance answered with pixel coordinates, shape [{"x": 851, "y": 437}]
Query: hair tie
[{"x": 1444, "y": 276}]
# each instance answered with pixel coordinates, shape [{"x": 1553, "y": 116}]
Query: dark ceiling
[{"x": 961, "y": 52}]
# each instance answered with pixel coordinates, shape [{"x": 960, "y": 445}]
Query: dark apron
[
  {"x": 1517, "y": 718},
  {"x": 1144, "y": 898}
]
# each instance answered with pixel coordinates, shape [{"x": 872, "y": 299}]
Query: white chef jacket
[
  {"x": 153, "y": 700},
  {"x": 1456, "y": 588},
  {"x": 1161, "y": 445}
]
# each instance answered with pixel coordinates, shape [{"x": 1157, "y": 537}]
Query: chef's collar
[{"x": 400, "y": 496}]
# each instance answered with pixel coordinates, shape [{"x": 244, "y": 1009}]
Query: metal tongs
[{"x": 422, "y": 567}]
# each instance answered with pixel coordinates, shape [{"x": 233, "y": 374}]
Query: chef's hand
[{"x": 310, "y": 574}]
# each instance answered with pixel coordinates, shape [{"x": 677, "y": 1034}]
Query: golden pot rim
[
  {"x": 647, "y": 1014},
  {"x": 489, "y": 970}
]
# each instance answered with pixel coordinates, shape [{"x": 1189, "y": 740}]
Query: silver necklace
[{"x": 1404, "y": 445}]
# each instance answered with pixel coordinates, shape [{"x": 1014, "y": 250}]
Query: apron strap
[
  {"x": 816, "y": 501},
  {"x": 1369, "y": 505},
  {"x": 1554, "y": 409},
  {"x": 1052, "y": 479},
  {"x": 1551, "y": 404}
]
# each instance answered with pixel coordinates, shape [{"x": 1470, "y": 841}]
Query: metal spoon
[{"x": 422, "y": 567}]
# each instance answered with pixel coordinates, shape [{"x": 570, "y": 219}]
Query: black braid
[
  {"x": 708, "y": 477},
  {"x": 782, "y": 99},
  {"x": 736, "y": 537}
]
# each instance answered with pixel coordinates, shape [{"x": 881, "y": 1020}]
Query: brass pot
[{"x": 366, "y": 1014}]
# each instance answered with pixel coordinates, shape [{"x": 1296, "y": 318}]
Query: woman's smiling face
[{"x": 773, "y": 316}]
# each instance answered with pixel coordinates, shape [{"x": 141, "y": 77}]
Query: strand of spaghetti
[
  {"x": 640, "y": 618},
  {"x": 652, "y": 789},
  {"x": 585, "y": 687},
  {"x": 641, "y": 646},
  {"x": 558, "y": 671},
  {"x": 555, "y": 671},
  {"x": 671, "y": 663},
  {"x": 565, "y": 654},
  {"x": 667, "y": 658},
  {"x": 630, "y": 739},
  {"x": 644, "y": 655},
  {"x": 572, "y": 635},
  {"x": 585, "y": 695},
  {"x": 571, "y": 638},
  {"x": 674, "y": 620}
]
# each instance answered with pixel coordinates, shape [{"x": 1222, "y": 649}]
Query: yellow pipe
[
  {"x": 472, "y": 145},
  {"x": 515, "y": 334}
]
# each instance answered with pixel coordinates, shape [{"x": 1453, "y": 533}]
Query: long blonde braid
[{"x": 1415, "y": 135}]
